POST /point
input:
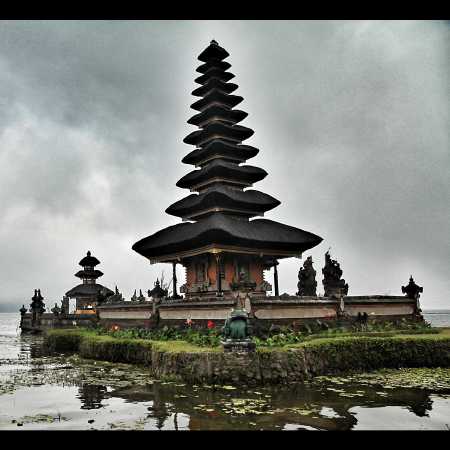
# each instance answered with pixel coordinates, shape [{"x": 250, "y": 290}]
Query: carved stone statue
[
  {"x": 117, "y": 297},
  {"x": 56, "y": 310},
  {"x": 237, "y": 332},
  {"x": 37, "y": 303},
  {"x": 141, "y": 298},
  {"x": 333, "y": 284},
  {"x": 65, "y": 305},
  {"x": 307, "y": 283}
]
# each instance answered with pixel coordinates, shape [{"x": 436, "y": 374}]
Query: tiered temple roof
[
  {"x": 222, "y": 204},
  {"x": 89, "y": 275}
]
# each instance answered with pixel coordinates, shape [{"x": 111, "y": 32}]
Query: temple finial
[
  {"x": 89, "y": 253},
  {"x": 214, "y": 42}
]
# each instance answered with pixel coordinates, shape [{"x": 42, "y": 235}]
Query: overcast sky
[{"x": 351, "y": 119}]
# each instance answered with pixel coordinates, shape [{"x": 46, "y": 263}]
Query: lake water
[{"x": 66, "y": 392}]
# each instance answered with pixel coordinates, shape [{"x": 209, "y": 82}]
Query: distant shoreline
[{"x": 15, "y": 309}]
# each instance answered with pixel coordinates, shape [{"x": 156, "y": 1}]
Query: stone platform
[{"x": 290, "y": 311}]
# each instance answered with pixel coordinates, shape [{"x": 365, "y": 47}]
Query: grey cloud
[{"x": 351, "y": 119}]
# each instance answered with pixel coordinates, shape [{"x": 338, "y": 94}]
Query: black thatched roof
[
  {"x": 213, "y": 52},
  {"x": 219, "y": 147},
  {"x": 222, "y": 229},
  {"x": 217, "y": 168},
  {"x": 214, "y": 73},
  {"x": 86, "y": 290},
  {"x": 216, "y": 96},
  {"x": 222, "y": 212},
  {"x": 213, "y": 64},
  {"x": 89, "y": 273},
  {"x": 214, "y": 83},
  {"x": 218, "y": 130},
  {"x": 89, "y": 261},
  {"x": 250, "y": 203},
  {"x": 218, "y": 112}
]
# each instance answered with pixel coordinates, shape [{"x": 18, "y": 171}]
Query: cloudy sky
[{"x": 351, "y": 119}]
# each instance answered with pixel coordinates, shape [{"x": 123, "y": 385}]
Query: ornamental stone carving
[{"x": 307, "y": 283}]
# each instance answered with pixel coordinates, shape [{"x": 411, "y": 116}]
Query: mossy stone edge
[{"x": 299, "y": 362}]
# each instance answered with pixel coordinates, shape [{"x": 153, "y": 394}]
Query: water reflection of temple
[
  {"x": 91, "y": 395},
  {"x": 330, "y": 411}
]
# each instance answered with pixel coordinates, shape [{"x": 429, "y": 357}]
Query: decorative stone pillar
[
  {"x": 413, "y": 291},
  {"x": 23, "y": 311},
  {"x": 157, "y": 293},
  {"x": 56, "y": 310}
]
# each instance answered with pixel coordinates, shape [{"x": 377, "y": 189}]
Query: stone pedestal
[{"x": 243, "y": 346}]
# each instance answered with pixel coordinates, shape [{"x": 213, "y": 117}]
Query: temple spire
[
  {"x": 222, "y": 208},
  {"x": 222, "y": 178}
]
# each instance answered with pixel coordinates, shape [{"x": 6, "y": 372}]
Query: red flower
[{"x": 211, "y": 324}]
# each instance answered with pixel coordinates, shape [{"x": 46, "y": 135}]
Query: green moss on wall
[{"x": 286, "y": 364}]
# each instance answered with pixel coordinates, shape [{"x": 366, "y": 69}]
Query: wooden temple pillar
[
  {"x": 275, "y": 278},
  {"x": 174, "y": 278},
  {"x": 218, "y": 276}
]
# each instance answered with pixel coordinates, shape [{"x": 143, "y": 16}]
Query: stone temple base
[{"x": 238, "y": 346}]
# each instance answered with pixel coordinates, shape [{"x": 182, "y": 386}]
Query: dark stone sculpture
[
  {"x": 141, "y": 298},
  {"x": 103, "y": 296},
  {"x": 37, "y": 304},
  {"x": 117, "y": 297},
  {"x": 56, "y": 310},
  {"x": 307, "y": 283},
  {"x": 243, "y": 283},
  {"x": 23, "y": 311},
  {"x": 412, "y": 290},
  {"x": 65, "y": 305},
  {"x": 237, "y": 331},
  {"x": 37, "y": 308},
  {"x": 333, "y": 284}
]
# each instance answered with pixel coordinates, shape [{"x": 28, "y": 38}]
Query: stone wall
[
  {"x": 265, "y": 312},
  {"x": 49, "y": 321},
  {"x": 282, "y": 310}
]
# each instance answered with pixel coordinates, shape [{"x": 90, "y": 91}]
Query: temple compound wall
[
  {"x": 48, "y": 321},
  {"x": 288, "y": 310}
]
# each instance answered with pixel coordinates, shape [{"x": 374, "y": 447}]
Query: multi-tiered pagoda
[
  {"x": 88, "y": 292},
  {"x": 221, "y": 244}
]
